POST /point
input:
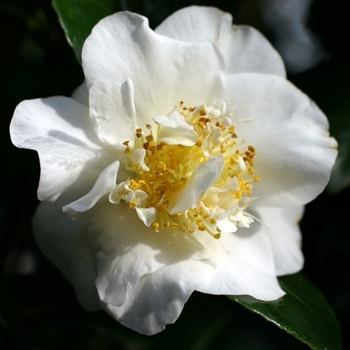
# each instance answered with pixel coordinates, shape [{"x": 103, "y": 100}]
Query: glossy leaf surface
[{"x": 302, "y": 312}]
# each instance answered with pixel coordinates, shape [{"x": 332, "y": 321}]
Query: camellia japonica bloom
[{"x": 182, "y": 163}]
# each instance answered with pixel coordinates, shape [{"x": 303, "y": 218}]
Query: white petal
[
  {"x": 159, "y": 297},
  {"x": 119, "y": 190},
  {"x": 111, "y": 122},
  {"x": 290, "y": 134},
  {"x": 138, "y": 157},
  {"x": 244, "y": 48},
  {"x": 81, "y": 94},
  {"x": 126, "y": 250},
  {"x": 173, "y": 120},
  {"x": 65, "y": 242},
  {"x": 215, "y": 197},
  {"x": 174, "y": 130},
  {"x": 163, "y": 71},
  {"x": 147, "y": 215},
  {"x": 225, "y": 224},
  {"x": 60, "y": 130},
  {"x": 245, "y": 221},
  {"x": 282, "y": 227},
  {"x": 104, "y": 184},
  {"x": 241, "y": 164},
  {"x": 137, "y": 198},
  {"x": 182, "y": 135},
  {"x": 128, "y": 94},
  {"x": 245, "y": 265},
  {"x": 214, "y": 139},
  {"x": 201, "y": 179}
]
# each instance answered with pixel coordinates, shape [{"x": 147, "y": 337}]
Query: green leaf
[
  {"x": 302, "y": 312},
  {"x": 78, "y": 17}
]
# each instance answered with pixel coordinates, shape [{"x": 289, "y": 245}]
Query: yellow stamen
[{"x": 171, "y": 166}]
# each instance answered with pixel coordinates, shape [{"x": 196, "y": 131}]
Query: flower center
[{"x": 189, "y": 172}]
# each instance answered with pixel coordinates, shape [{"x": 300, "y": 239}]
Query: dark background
[{"x": 38, "y": 308}]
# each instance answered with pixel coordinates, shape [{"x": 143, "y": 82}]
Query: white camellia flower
[{"x": 182, "y": 163}]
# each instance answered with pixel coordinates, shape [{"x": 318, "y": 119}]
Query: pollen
[{"x": 163, "y": 160}]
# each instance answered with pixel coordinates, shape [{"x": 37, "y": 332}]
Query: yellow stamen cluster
[{"x": 171, "y": 166}]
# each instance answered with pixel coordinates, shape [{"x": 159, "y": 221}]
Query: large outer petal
[
  {"x": 108, "y": 117},
  {"x": 157, "y": 300},
  {"x": 159, "y": 297},
  {"x": 290, "y": 133},
  {"x": 69, "y": 151},
  {"x": 245, "y": 50},
  {"x": 127, "y": 250},
  {"x": 239, "y": 263},
  {"x": 164, "y": 71},
  {"x": 235, "y": 264},
  {"x": 282, "y": 227},
  {"x": 245, "y": 264},
  {"x": 65, "y": 242},
  {"x": 103, "y": 186},
  {"x": 81, "y": 94}
]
